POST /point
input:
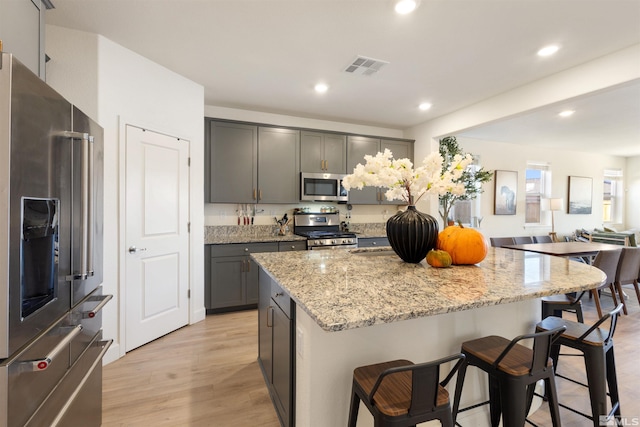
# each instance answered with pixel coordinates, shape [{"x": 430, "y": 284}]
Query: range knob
[
  {"x": 333, "y": 242},
  {"x": 319, "y": 242}
]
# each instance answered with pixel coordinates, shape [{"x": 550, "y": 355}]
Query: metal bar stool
[
  {"x": 513, "y": 371},
  {"x": 554, "y": 305},
  {"x": 400, "y": 393},
  {"x": 597, "y": 347}
]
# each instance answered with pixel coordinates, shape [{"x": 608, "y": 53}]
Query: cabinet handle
[
  {"x": 248, "y": 266},
  {"x": 326, "y": 165},
  {"x": 293, "y": 246},
  {"x": 254, "y": 194},
  {"x": 278, "y": 294},
  {"x": 374, "y": 243},
  {"x": 270, "y": 310},
  {"x": 259, "y": 194},
  {"x": 321, "y": 165}
]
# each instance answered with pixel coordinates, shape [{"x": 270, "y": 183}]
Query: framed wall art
[
  {"x": 580, "y": 193},
  {"x": 506, "y": 191}
]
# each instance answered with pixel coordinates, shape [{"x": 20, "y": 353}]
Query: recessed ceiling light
[
  {"x": 404, "y": 7},
  {"x": 566, "y": 113},
  {"x": 548, "y": 50},
  {"x": 321, "y": 87},
  {"x": 424, "y": 106}
]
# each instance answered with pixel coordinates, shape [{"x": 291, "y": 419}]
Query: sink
[{"x": 372, "y": 252}]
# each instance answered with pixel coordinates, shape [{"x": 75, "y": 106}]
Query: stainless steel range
[{"x": 322, "y": 231}]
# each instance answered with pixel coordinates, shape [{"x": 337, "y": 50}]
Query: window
[
  {"x": 467, "y": 212},
  {"x": 612, "y": 196},
  {"x": 538, "y": 182}
]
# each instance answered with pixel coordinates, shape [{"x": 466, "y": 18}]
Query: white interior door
[{"x": 157, "y": 240}]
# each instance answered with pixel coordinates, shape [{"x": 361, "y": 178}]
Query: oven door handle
[{"x": 42, "y": 364}]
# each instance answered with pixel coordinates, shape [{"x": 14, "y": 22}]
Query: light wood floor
[{"x": 207, "y": 375}]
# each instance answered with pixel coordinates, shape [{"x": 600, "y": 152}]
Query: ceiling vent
[{"x": 365, "y": 66}]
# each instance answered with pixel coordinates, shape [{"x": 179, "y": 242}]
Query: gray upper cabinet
[
  {"x": 232, "y": 156},
  {"x": 357, "y": 148},
  {"x": 22, "y": 32},
  {"x": 247, "y": 164},
  {"x": 323, "y": 152},
  {"x": 278, "y": 165}
]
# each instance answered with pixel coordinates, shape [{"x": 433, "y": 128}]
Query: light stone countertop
[
  {"x": 225, "y": 234},
  {"x": 345, "y": 289}
]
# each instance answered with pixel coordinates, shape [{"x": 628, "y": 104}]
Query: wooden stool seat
[
  {"x": 401, "y": 393},
  {"x": 517, "y": 362},
  {"x": 513, "y": 370}
]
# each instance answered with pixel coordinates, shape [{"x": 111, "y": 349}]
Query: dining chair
[
  {"x": 498, "y": 242},
  {"x": 607, "y": 261},
  {"x": 542, "y": 239},
  {"x": 627, "y": 273},
  {"x": 522, "y": 240}
]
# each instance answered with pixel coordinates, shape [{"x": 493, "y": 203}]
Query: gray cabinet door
[
  {"x": 265, "y": 325},
  {"x": 282, "y": 364},
  {"x": 278, "y": 165},
  {"x": 22, "y": 32},
  {"x": 232, "y": 153},
  {"x": 252, "y": 282},
  {"x": 227, "y": 281},
  {"x": 323, "y": 152},
  {"x": 357, "y": 148},
  {"x": 311, "y": 152},
  {"x": 335, "y": 153}
]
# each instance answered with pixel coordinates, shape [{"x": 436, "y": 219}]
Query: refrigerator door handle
[
  {"x": 87, "y": 213},
  {"x": 42, "y": 364}
]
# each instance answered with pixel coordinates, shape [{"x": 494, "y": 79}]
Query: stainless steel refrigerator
[{"x": 51, "y": 200}]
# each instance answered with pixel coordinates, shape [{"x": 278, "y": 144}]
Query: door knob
[{"x": 133, "y": 249}]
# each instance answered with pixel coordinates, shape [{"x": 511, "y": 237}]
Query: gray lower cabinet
[
  {"x": 357, "y": 148},
  {"x": 371, "y": 242},
  {"x": 276, "y": 344},
  {"x": 231, "y": 276}
]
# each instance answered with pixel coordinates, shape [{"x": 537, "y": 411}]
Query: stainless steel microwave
[{"x": 322, "y": 187}]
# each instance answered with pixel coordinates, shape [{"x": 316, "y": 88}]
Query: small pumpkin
[
  {"x": 465, "y": 245},
  {"x": 438, "y": 258}
]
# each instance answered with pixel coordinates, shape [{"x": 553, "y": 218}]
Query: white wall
[
  {"x": 610, "y": 70},
  {"x": 116, "y": 86},
  {"x": 512, "y": 157},
  {"x": 225, "y": 214},
  {"x": 632, "y": 193}
]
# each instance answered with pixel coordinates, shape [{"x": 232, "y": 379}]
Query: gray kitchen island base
[{"x": 340, "y": 309}]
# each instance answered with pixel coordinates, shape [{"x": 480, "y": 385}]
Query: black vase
[{"x": 412, "y": 234}]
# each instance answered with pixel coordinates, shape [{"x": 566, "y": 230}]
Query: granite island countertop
[{"x": 346, "y": 289}]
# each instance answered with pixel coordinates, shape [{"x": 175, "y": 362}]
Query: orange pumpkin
[
  {"x": 465, "y": 245},
  {"x": 437, "y": 258}
]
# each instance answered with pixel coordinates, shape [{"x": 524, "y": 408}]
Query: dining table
[{"x": 566, "y": 249}]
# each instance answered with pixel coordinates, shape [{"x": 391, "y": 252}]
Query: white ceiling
[{"x": 266, "y": 55}]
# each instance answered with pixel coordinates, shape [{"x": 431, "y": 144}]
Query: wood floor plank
[{"x": 207, "y": 375}]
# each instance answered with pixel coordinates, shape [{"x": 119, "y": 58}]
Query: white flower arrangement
[{"x": 405, "y": 183}]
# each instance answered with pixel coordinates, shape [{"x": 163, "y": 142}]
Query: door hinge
[
  {"x": 189, "y": 161},
  {"x": 188, "y": 293},
  {"x": 188, "y": 227}
]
